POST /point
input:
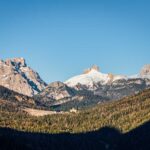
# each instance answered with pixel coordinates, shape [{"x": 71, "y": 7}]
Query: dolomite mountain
[
  {"x": 92, "y": 87},
  {"x": 92, "y": 76},
  {"x": 17, "y": 76}
]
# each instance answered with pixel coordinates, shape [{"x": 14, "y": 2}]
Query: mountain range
[
  {"x": 36, "y": 115},
  {"x": 88, "y": 89}
]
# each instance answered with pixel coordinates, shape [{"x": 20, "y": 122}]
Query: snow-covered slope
[
  {"x": 88, "y": 79},
  {"x": 93, "y": 76}
]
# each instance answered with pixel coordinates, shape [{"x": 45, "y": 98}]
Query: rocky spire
[
  {"x": 94, "y": 67},
  {"x": 145, "y": 70}
]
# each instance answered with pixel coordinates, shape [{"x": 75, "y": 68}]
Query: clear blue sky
[{"x": 60, "y": 38}]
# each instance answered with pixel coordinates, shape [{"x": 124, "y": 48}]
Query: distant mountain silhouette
[{"x": 105, "y": 138}]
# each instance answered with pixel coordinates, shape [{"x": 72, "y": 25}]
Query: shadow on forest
[{"x": 105, "y": 138}]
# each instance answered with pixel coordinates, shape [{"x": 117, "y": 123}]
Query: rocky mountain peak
[
  {"x": 94, "y": 67},
  {"x": 145, "y": 70},
  {"x": 17, "y": 76}
]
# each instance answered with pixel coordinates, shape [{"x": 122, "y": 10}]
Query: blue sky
[{"x": 60, "y": 38}]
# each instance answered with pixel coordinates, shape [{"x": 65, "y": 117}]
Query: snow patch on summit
[{"x": 88, "y": 79}]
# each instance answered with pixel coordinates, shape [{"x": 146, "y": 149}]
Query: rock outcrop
[
  {"x": 145, "y": 71},
  {"x": 94, "y": 67},
  {"x": 56, "y": 91}
]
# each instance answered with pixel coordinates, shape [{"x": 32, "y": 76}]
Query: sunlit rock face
[
  {"x": 57, "y": 90},
  {"x": 145, "y": 71},
  {"x": 94, "y": 67},
  {"x": 17, "y": 76}
]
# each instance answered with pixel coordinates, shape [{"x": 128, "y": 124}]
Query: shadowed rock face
[
  {"x": 17, "y": 76},
  {"x": 122, "y": 88}
]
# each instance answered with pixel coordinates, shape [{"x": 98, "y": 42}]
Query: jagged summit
[
  {"x": 16, "y": 62},
  {"x": 17, "y": 76}
]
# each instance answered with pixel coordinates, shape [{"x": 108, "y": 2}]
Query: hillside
[
  {"x": 13, "y": 101},
  {"x": 103, "y": 139},
  {"x": 125, "y": 114}
]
